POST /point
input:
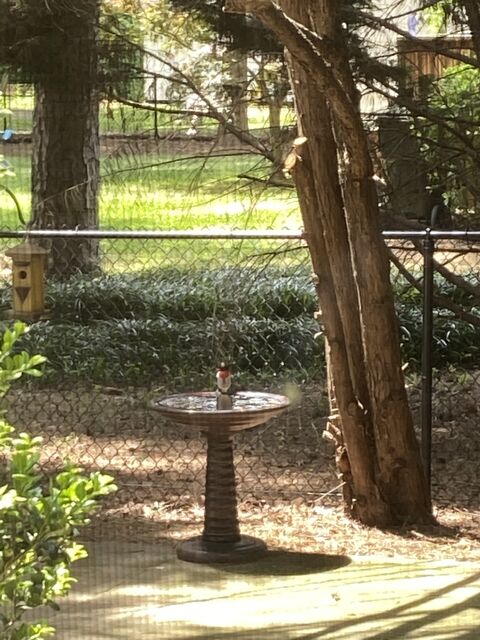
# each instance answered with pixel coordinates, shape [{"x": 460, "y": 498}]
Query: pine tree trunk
[{"x": 65, "y": 165}]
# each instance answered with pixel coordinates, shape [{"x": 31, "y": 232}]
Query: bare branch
[
  {"x": 271, "y": 181},
  {"x": 221, "y": 118},
  {"x": 145, "y": 106},
  {"x": 414, "y": 108},
  {"x": 438, "y": 299},
  {"x": 451, "y": 277}
]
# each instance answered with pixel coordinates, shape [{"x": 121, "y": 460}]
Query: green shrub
[
  {"x": 38, "y": 523},
  {"x": 168, "y": 326},
  {"x": 455, "y": 342},
  {"x": 452, "y": 153},
  {"x": 141, "y": 350},
  {"x": 181, "y": 296}
]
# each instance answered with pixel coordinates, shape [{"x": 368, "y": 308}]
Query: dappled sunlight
[
  {"x": 143, "y": 591},
  {"x": 180, "y": 210}
]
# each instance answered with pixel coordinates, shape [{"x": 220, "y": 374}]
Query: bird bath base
[
  {"x": 221, "y": 540},
  {"x": 197, "y": 549}
]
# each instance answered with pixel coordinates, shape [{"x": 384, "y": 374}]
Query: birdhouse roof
[{"x": 26, "y": 250}]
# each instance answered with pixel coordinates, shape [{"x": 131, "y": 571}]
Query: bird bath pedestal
[{"x": 221, "y": 540}]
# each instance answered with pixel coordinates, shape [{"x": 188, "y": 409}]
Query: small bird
[{"x": 224, "y": 382}]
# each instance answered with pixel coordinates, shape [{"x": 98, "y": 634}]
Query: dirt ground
[
  {"x": 289, "y": 493},
  {"x": 288, "y": 490}
]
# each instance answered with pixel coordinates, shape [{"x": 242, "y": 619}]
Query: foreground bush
[{"x": 38, "y": 520}]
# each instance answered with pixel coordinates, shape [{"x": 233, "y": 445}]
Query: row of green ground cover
[{"x": 172, "y": 326}]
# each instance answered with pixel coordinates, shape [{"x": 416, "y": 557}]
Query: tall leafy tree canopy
[{"x": 36, "y": 37}]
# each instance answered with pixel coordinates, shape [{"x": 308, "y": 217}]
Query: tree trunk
[
  {"x": 342, "y": 223},
  {"x": 327, "y": 216},
  {"x": 473, "y": 16},
  {"x": 350, "y": 429},
  {"x": 65, "y": 164},
  {"x": 235, "y": 84},
  {"x": 274, "y": 88}
]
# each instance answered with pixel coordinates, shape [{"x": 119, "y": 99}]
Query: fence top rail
[
  {"x": 215, "y": 234},
  {"x": 467, "y": 236},
  {"x": 207, "y": 234}
]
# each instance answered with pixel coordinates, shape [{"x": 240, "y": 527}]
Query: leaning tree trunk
[
  {"x": 349, "y": 423},
  {"x": 387, "y": 475},
  {"x": 65, "y": 165}
]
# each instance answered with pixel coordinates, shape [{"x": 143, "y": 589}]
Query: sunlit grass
[
  {"x": 149, "y": 192},
  {"x": 145, "y": 193},
  {"x": 193, "y": 193},
  {"x": 9, "y": 216}
]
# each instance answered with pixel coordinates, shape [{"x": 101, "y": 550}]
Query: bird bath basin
[{"x": 221, "y": 540}]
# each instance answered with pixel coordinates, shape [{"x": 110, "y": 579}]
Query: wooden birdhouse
[{"x": 28, "y": 270}]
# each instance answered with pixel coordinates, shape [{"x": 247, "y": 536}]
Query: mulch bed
[{"x": 288, "y": 488}]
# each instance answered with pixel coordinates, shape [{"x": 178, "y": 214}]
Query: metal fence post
[
  {"x": 155, "y": 102},
  {"x": 427, "y": 347}
]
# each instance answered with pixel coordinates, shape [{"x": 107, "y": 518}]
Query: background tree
[
  {"x": 463, "y": 13},
  {"x": 245, "y": 37},
  {"x": 435, "y": 110},
  {"x": 54, "y": 44}
]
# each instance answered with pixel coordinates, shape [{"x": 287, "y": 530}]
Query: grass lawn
[
  {"x": 168, "y": 191},
  {"x": 153, "y": 191},
  {"x": 164, "y": 189}
]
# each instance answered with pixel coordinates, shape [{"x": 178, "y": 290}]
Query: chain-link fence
[
  {"x": 146, "y": 110},
  {"x": 439, "y": 328},
  {"x": 159, "y": 315},
  {"x": 161, "y": 310}
]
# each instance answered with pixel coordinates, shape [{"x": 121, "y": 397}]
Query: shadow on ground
[{"x": 286, "y": 563}]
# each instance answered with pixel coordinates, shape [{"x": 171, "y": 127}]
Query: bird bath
[{"x": 221, "y": 540}]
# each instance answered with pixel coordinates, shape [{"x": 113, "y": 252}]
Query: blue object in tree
[{"x": 7, "y": 134}]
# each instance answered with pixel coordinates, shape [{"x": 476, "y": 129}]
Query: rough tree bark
[
  {"x": 65, "y": 166},
  {"x": 339, "y": 206}
]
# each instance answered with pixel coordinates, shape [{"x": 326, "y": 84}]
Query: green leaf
[
  {"x": 38, "y": 523},
  {"x": 35, "y": 373}
]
